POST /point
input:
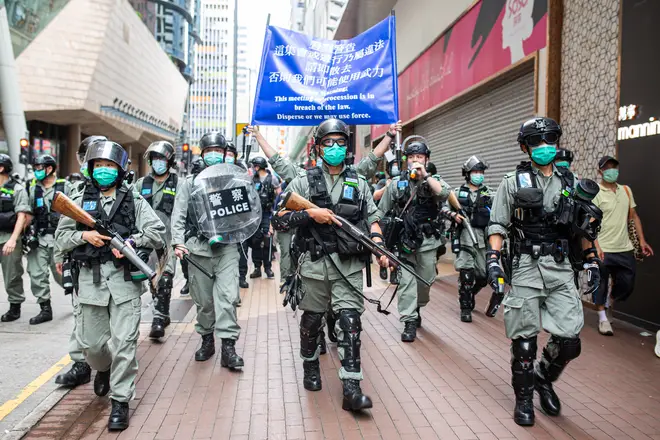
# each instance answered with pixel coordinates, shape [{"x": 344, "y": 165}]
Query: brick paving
[{"x": 452, "y": 383}]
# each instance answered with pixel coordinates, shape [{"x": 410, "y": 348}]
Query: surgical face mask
[
  {"x": 159, "y": 166},
  {"x": 544, "y": 154},
  {"x": 334, "y": 155},
  {"x": 213, "y": 158},
  {"x": 477, "y": 178},
  {"x": 40, "y": 174},
  {"x": 105, "y": 176},
  {"x": 563, "y": 163},
  {"x": 395, "y": 171},
  {"x": 83, "y": 170},
  {"x": 611, "y": 175},
  {"x": 229, "y": 159}
]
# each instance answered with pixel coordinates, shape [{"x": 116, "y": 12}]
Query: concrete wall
[
  {"x": 420, "y": 22},
  {"x": 589, "y": 81}
]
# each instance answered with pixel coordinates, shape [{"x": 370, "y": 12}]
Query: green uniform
[
  {"x": 41, "y": 258},
  {"x": 543, "y": 291},
  {"x": 12, "y": 264},
  {"x": 215, "y": 299},
  {"x": 331, "y": 280},
  {"x": 413, "y": 294},
  {"x": 110, "y": 311}
]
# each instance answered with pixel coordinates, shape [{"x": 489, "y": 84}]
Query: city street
[{"x": 452, "y": 383}]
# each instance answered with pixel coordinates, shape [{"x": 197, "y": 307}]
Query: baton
[{"x": 187, "y": 258}]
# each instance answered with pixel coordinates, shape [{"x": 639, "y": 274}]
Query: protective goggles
[
  {"x": 549, "y": 137},
  {"x": 330, "y": 142}
]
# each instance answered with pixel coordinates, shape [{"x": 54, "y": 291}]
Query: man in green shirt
[{"x": 614, "y": 246}]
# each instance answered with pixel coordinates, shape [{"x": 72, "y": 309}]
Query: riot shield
[{"x": 226, "y": 204}]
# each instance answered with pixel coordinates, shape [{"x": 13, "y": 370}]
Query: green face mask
[
  {"x": 40, "y": 174},
  {"x": 544, "y": 154},
  {"x": 477, "y": 179},
  {"x": 611, "y": 175},
  {"x": 563, "y": 163},
  {"x": 334, "y": 155}
]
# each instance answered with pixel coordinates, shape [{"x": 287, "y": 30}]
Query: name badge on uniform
[
  {"x": 402, "y": 184},
  {"x": 40, "y": 203},
  {"x": 348, "y": 192},
  {"x": 146, "y": 191},
  {"x": 525, "y": 180},
  {"x": 89, "y": 205},
  {"x": 258, "y": 186},
  {"x": 463, "y": 194},
  {"x": 5, "y": 195}
]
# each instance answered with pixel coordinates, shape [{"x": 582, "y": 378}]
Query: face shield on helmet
[{"x": 105, "y": 177}]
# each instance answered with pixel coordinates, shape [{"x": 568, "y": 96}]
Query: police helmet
[
  {"x": 331, "y": 126},
  {"x": 46, "y": 160},
  {"x": 163, "y": 148},
  {"x": 380, "y": 175},
  {"x": 197, "y": 166},
  {"x": 260, "y": 162},
  {"x": 84, "y": 146},
  {"x": 417, "y": 147},
  {"x": 564, "y": 155},
  {"x": 74, "y": 177},
  {"x": 537, "y": 131},
  {"x": 107, "y": 150},
  {"x": 474, "y": 163},
  {"x": 231, "y": 147},
  {"x": 6, "y": 163},
  {"x": 213, "y": 139}
]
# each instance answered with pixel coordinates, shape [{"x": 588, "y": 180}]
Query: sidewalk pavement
[{"x": 453, "y": 382}]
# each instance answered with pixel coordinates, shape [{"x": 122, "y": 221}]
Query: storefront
[{"x": 471, "y": 89}]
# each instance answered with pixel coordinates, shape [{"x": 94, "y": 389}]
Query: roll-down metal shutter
[{"x": 486, "y": 126}]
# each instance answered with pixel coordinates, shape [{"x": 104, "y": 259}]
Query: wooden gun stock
[
  {"x": 295, "y": 202},
  {"x": 65, "y": 206}
]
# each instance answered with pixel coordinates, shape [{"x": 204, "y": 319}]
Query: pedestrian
[
  {"x": 14, "y": 215},
  {"x": 108, "y": 290},
  {"x": 159, "y": 189},
  {"x": 614, "y": 246},
  {"x": 526, "y": 209},
  {"x": 332, "y": 267},
  {"x": 476, "y": 199},
  {"x": 413, "y": 200},
  {"x": 216, "y": 299}
]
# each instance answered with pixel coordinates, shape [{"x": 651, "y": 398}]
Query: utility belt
[
  {"x": 317, "y": 251},
  {"x": 559, "y": 249},
  {"x": 131, "y": 273}
]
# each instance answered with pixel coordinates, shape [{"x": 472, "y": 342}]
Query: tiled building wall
[{"x": 589, "y": 81}]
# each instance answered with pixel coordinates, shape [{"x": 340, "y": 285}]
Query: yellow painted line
[{"x": 33, "y": 386}]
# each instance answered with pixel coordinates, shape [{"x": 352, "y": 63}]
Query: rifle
[
  {"x": 453, "y": 201},
  {"x": 295, "y": 202},
  {"x": 65, "y": 206}
]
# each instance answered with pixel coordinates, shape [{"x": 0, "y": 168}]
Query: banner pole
[{"x": 249, "y": 139}]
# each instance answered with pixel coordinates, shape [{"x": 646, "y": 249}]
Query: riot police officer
[
  {"x": 41, "y": 242},
  {"x": 216, "y": 298},
  {"x": 476, "y": 200},
  {"x": 564, "y": 158},
  {"x": 109, "y": 287},
  {"x": 332, "y": 265},
  {"x": 14, "y": 212},
  {"x": 80, "y": 372},
  {"x": 533, "y": 208},
  {"x": 414, "y": 199},
  {"x": 159, "y": 189},
  {"x": 261, "y": 243},
  {"x": 197, "y": 167}
]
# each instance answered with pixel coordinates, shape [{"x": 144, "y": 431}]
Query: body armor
[
  {"x": 7, "y": 214},
  {"x": 479, "y": 211},
  {"x": 166, "y": 204},
  {"x": 266, "y": 192},
  {"x": 45, "y": 219}
]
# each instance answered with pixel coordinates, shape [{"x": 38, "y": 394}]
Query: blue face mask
[
  {"x": 213, "y": 158},
  {"x": 229, "y": 159},
  {"x": 40, "y": 174},
  {"x": 334, "y": 155},
  {"x": 544, "y": 154},
  {"x": 611, "y": 175},
  {"x": 83, "y": 170},
  {"x": 105, "y": 176},
  {"x": 477, "y": 179},
  {"x": 159, "y": 166},
  {"x": 563, "y": 163}
]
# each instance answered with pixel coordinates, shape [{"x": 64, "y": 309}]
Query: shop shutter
[{"x": 487, "y": 126}]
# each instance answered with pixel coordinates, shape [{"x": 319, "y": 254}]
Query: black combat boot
[
  {"x": 354, "y": 400},
  {"x": 118, "y": 420},
  {"x": 207, "y": 349},
  {"x": 102, "y": 383},
  {"x": 419, "y": 317},
  {"x": 523, "y": 353},
  {"x": 312, "y": 378},
  {"x": 229, "y": 358},
  {"x": 323, "y": 347},
  {"x": 185, "y": 290},
  {"x": 79, "y": 374},
  {"x": 269, "y": 273},
  {"x": 12, "y": 314},
  {"x": 45, "y": 315},
  {"x": 157, "y": 328},
  {"x": 556, "y": 356},
  {"x": 331, "y": 319},
  {"x": 409, "y": 331},
  {"x": 242, "y": 283},
  {"x": 256, "y": 273}
]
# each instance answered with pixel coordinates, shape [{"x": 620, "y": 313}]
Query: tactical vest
[
  {"x": 166, "y": 204},
  {"x": 45, "y": 219},
  {"x": 266, "y": 191},
  {"x": 531, "y": 222},
  {"x": 121, "y": 219},
  {"x": 7, "y": 213},
  {"x": 479, "y": 210},
  {"x": 351, "y": 206}
]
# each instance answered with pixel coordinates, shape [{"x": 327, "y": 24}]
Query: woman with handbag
[{"x": 620, "y": 242}]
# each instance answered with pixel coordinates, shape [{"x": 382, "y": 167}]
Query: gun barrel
[
  {"x": 129, "y": 253},
  {"x": 468, "y": 227}
]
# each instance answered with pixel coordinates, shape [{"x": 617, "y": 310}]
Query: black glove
[
  {"x": 592, "y": 266},
  {"x": 494, "y": 269}
]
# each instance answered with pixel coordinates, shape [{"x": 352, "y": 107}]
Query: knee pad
[
  {"x": 467, "y": 278},
  {"x": 350, "y": 324},
  {"x": 562, "y": 350},
  {"x": 166, "y": 281},
  {"x": 523, "y": 350},
  {"x": 350, "y": 321},
  {"x": 310, "y": 329}
]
